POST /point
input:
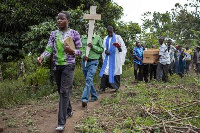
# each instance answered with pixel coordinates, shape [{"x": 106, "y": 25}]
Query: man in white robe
[{"x": 113, "y": 59}]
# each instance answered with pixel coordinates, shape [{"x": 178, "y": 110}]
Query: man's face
[
  {"x": 62, "y": 21},
  {"x": 161, "y": 40},
  {"x": 169, "y": 42},
  {"x": 138, "y": 44},
  {"x": 110, "y": 33}
]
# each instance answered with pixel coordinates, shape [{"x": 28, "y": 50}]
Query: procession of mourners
[{"x": 170, "y": 58}]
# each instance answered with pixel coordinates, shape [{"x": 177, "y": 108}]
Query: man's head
[
  {"x": 187, "y": 47},
  {"x": 161, "y": 40},
  {"x": 110, "y": 31},
  {"x": 169, "y": 42},
  {"x": 177, "y": 47},
  {"x": 63, "y": 20},
  {"x": 198, "y": 48},
  {"x": 180, "y": 48},
  {"x": 153, "y": 46},
  {"x": 138, "y": 44}
]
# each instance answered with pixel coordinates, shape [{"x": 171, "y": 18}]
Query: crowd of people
[
  {"x": 113, "y": 51},
  {"x": 171, "y": 59}
]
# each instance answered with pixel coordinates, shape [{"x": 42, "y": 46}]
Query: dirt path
[{"x": 43, "y": 117}]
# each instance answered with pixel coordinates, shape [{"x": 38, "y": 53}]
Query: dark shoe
[
  {"x": 116, "y": 90},
  {"x": 69, "y": 114},
  {"x": 93, "y": 100},
  {"x": 84, "y": 104},
  {"x": 101, "y": 90}
]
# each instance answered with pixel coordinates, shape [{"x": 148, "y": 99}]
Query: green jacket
[{"x": 96, "y": 50}]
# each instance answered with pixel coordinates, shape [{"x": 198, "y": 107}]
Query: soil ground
[{"x": 41, "y": 117}]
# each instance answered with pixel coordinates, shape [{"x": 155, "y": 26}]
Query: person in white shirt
[
  {"x": 171, "y": 50},
  {"x": 164, "y": 61},
  {"x": 113, "y": 59}
]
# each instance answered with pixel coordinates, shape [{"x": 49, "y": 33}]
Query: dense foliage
[
  {"x": 26, "y": 25},
  {"x": 182, "y": 24}
]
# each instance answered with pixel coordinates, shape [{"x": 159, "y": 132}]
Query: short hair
[
  {"x": 67, "y": 14},
  {"x": 110, "y": 28}
]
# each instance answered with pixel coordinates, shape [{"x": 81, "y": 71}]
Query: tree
[
  {"x": 180, "y": 24},
  {"x": 31, "y": 22}
]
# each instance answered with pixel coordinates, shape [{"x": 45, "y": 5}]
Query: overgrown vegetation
[{"x": 155, "y": 107}]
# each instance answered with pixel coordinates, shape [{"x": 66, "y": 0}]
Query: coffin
[{"x": 150, "y": 55}]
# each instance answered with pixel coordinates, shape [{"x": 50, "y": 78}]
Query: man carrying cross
[
  {"x": 96, "y": 49},
  {"x": 113, "y": 58},
  {"x": 92, "y": 48}
]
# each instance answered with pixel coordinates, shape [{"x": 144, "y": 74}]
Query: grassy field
[
  {"x": 148, "y": 107},
  {"x": 144, "y": 107}
]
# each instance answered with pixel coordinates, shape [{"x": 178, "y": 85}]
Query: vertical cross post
[{"x": 92, "y": 17}]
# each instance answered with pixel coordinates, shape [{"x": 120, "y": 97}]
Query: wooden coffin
[{"x": 150, "y": 55}]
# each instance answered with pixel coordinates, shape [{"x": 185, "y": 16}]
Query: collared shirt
[
  {"x": 139, "y": 53},
  {"x": 96, "y": 50},
  {"x": 55, "y": 47},
  {"x": 164, "y": 55}
]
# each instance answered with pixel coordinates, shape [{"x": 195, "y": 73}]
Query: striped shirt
[{"x": 55, "y": 47}]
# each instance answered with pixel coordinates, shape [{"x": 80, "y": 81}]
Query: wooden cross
[{"x": 92, "y": 17}]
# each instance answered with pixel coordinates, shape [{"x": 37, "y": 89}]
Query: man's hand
[
  {"x": 119, "y": 49},
  {"x": 39, "y": 60},
  {"x": 90, "y": 45},
  {"x": 155, "y": 61},
  {"x": 85, "y": 58},
  {"x": 107, "y": 52},
  {"x": 68, "y": 50}
]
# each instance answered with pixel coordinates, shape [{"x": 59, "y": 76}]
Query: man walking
[
  {"x": 164, "y": 61},
  {"x": 113, "y": 59},
  {"x": 92, "y": 63}
]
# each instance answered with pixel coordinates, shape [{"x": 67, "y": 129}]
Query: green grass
[{"x": 123, "y": 112}]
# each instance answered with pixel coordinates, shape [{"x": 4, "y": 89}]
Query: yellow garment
[{"x": 189, "y": 53}]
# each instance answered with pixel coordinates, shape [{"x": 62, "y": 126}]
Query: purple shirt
[{"x": 51, "y": 47}]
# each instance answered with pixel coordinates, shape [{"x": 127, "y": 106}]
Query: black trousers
[
  {"x": 153, "y": 68},
  {"x": 138, "y": 75},
  {"x": 64, "y": 76},
  {"x": 105, "y": 82},
  {"x": 145, "y": 72}
]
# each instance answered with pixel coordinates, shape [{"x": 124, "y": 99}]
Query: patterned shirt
[
  {"x": 139, "y": 53},
  {"x": 55, "y": 47}
]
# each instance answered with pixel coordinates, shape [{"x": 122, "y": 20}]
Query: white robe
[{"x": 119, "y": 56}]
